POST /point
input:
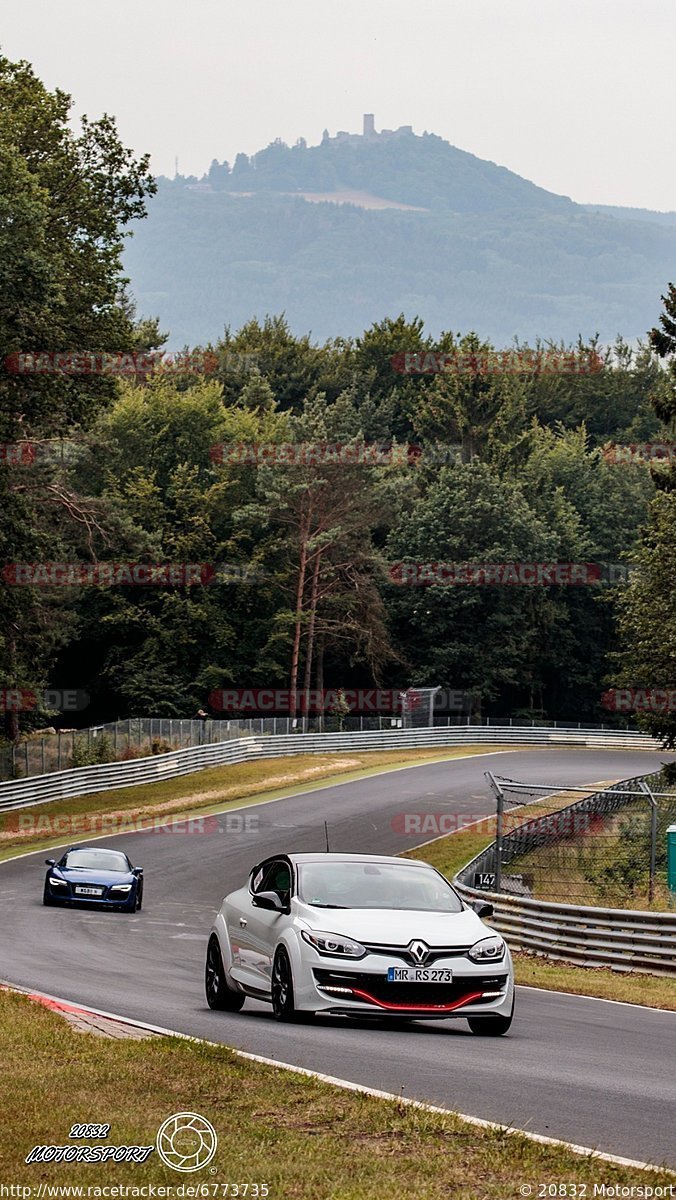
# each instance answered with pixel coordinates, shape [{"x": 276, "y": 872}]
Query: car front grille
[
  {"x": 402, "y": 952},
  {"x": 101, "y": 889},
  {"x": 376, "y": 990}
]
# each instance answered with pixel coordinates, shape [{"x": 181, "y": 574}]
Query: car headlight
[
  {"x": 121, "y": 887},
  {"x": 489, "y": 949},
  {"x": 56, "y": 882},
  {"x": 333, "y": 944}
]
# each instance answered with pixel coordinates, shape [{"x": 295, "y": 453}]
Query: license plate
[
  {"x": 419, "y": 975},
  {"x": 85, "y": 891}
]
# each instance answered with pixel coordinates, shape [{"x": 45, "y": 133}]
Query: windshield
[
  {"x": 376, "y": 885},
  {"x": 97, "y": 860}
]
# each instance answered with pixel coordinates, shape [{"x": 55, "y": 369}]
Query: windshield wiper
[{"x": 313, "y": 904}]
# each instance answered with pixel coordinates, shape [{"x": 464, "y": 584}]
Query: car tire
[
  {"x": 219, "y": 995},
  {"x": 139, "y": 900},
  {"x": 490, "y": 1026},
  {"x": 281, "y": 989},
  {"x": 48, "y": 900}
]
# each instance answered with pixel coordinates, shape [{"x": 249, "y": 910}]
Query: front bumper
[
  {"x": 108, "y": 899},
  {"x": 362, "y": 987}
]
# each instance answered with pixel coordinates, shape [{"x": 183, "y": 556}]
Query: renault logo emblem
[{"x": 419, "y": 951}]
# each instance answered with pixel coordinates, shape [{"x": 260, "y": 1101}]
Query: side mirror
[
  {"x": 482, "y": 909},
  {"x": 137, "y": 870},
  {"x": 50, "y": 862},
  {"x": 269, "y": 900}
]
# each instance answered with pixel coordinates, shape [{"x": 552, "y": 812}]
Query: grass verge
[
  {"x": 449, "y": 854},
  {"x": 304, "y": 1139},
  {"x": 633, "y": 988},
  {"x": 106, "y": 813}
]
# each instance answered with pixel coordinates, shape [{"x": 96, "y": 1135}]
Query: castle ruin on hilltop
[{"x": 369, "y": 133}]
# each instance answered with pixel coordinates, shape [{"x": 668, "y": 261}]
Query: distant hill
[
  {"x": 633, "y": 214},
  {"x": 423, "y": 171},
  {"x": 489, "y": 251}
]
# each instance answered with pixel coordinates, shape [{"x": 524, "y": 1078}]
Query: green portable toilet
[{"x": 671, "y": 857}]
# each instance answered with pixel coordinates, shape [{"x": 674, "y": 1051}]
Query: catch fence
[
  {"x": 141, "y": 737},
  {"x": 606, "y": 848}
]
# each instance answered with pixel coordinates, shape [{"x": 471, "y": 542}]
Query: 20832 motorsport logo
[{"x": 186, "y": 1141}]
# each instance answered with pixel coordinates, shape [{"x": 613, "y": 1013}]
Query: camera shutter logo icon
[{"x": 186, "y": 1142}]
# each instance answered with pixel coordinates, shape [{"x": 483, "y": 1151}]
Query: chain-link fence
[
  {"x": 139, "y": 737},
  {"x": 608, "y": 849}
]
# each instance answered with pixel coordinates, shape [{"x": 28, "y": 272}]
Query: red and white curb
[{"x": 67, "y": 1007}]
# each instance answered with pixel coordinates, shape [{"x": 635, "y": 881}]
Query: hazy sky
[{"x": 576, "y": 95}]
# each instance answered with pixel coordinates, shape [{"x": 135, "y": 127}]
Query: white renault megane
[{"x": 358, "y": 935}]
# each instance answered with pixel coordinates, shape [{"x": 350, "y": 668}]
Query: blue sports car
[{"x": 93, "y": 875}]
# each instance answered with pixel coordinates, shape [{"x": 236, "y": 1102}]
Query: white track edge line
[
  {"x": 529, "y": 987},
  {"x": 349, "y": 1085}
]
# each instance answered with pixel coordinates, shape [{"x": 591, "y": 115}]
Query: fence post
[
  {"x": 500, "y": 808},
  {"x": 653, "y": 838},
  {"x": 43, "y": 756}
]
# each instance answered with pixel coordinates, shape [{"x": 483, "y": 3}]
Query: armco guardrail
[
  {"x": 138, "y": 737},
  {"x": 598, "y": 937},
  {"x": 611, "y": 937},
  {"x": 80, "y": 781}
]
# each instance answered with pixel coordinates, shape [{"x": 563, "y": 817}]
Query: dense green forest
[{"x": 476, "y": 466}]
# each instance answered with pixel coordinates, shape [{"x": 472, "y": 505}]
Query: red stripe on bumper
[{"x": 417, "y": 1007}]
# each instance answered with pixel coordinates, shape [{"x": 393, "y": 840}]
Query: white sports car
[{"x": 358, "y": 935}]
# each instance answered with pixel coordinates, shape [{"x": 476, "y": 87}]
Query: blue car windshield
[
  {"x": 97, "y": 860},
  {"x": 353, "y": 884}
]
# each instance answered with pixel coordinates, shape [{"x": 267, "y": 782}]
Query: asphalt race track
[{"x": 593, "y": 1073}]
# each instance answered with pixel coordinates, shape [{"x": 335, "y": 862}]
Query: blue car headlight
[
  {"x": 57, "y": 882},
  {"x": 121, "y": 887}
]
